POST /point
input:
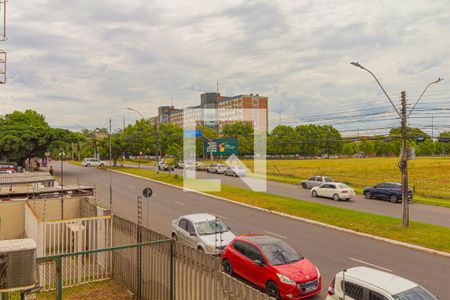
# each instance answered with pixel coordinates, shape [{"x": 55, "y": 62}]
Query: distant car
[
  {"x": 368, "y": 283},
  {"x": 235, "y": 171},
  {"x": 216, "y": 168},
  {"x": 163, "y": 166},
  {"x": 315, "y": 181},
  {"x": 336, "y": 190},
  {"x": 9, "y": 168},
  {"x": 179, "y": 165},
  {"x": 391, "y": 191},
  {"x": 92, "y": 162},
  {"x": 200, "y": 166},
  {"x": 189, "y": 165},
  {"x": 272, "y": 265},
  {"x": 204, "y": 232}
]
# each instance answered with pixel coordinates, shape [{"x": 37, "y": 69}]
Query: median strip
[{"x": 419, "y": 236}]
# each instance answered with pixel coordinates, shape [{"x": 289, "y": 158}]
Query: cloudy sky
[{"x": 81, "y": 62}]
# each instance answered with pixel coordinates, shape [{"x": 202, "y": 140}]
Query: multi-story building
[{"x": 215, "y": 111}]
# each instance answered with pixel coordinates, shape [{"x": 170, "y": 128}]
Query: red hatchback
[{"x": 273, "y": 265}]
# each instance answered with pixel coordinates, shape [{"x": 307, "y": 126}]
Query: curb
[{"x": 309, "y": 221}]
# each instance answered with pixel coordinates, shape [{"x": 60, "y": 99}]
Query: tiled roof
[{"x": 25, "y": 178}]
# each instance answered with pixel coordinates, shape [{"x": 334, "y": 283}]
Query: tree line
[{"x": 26, "y": 134}]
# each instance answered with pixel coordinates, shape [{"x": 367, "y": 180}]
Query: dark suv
[{"x": 391, "y": 191}]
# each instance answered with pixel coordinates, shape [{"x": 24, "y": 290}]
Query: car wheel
[
  {"x": 227, "y": 267},
  {"x": 235, "y": 175},
  {"x": 304, "y": 185},
  {"x": 272, "y": 290},
  {"x": 200, "y": 249},
  {"x": 336, "y": 197},
  {"x": 314, "y": 193},
  {"x": 101, "y": 165},
  {"x": 368, "y": 195},
  {"x": 393, "y": 199},
  {"x": 174, "y": 237},
  {"x": 88, "y": 165}
]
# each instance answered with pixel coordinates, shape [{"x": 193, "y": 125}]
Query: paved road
[
  {"x": 418, "y": 212},
  {"x": 329, "y": 249}
]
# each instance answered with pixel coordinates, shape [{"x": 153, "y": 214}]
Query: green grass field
[
  {"x": 429, "y": 177},
  {"x": 427, "y": 235}
]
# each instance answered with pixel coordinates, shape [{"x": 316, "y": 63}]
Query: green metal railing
[{"x": 58, "y": 260}]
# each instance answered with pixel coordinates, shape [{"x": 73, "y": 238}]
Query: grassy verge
[
  {"x": 74, "y": 162},
  {"x": 422, "y": 234}
]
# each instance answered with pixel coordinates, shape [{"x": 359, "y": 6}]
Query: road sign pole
[{"x": 404, "y": 164}]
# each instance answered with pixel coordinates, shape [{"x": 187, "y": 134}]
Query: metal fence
[{"x": 158, "y": 268}]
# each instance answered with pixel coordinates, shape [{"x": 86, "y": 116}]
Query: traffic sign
[{"x": 148, "y": 192}]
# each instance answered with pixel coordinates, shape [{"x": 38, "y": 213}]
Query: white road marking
[
  {"x": 372, "y": 265},
  {"x": 220, "y": 217},
  {"x": 275, "y": 234},
  {"x": 180, "y": 203}
]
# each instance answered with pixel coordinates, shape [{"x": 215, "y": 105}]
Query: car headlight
[
  {"x": 211, "y": 247},
  {"x": 285, "y": 279},
  {"x": 318, "y": 273}
]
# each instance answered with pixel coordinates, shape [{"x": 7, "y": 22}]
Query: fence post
[
  {"x": 171, "y": 270},
  {"x": 59, "y": 278}
]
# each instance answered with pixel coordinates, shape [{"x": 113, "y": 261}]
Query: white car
[
  {"x": 336, "y": 190},
  {"x": 92, "y": 162},
  {"x": 203, "y": 231},
  {"x": 235, "y": 171},
  {"x": 361, "y": 283},
  {"x": 216, "y": 168}
]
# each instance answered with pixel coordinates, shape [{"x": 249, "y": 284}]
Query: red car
[{"x": 273, "y": 265}]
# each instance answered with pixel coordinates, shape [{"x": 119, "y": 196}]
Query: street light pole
[
  {"x": 110, "y": 168},
  {"x": 404, "y": 126}
]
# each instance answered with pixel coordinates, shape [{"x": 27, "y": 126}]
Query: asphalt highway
[
  {"x": 418, "y": 212},
  {"x": 329, "y": 249}
]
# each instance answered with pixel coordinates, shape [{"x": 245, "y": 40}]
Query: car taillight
[{"x": 331, "y": 288}]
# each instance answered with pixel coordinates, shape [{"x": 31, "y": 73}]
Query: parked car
[
  {"x": 189, "y": 165},
  {"x": 179, "y": 165},
  {"x": 366, "y": 283},
  {"x": 216, "y": 168},
  {"x": 8, "y": 168},
  {"x": 200, "y": 166},
  {"x": 315, "y": 181},
  {"x": 391, "y": 191},
  {"x": 204, "y": 232},
  {"x": 235, "y": 171},
  {"x": 92, "y": 162},
  {"x": 336, "y": 190},
  {"x": 273, "y": 265},
  {"x": 164, "y": 166}
]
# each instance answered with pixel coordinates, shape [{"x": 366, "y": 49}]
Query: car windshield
[
  {"x": 416, "y": 293},
  {"x": 210, "y": 227},
  {"x": 280, "y": 253},
  {"x": 344, "y": 186}
]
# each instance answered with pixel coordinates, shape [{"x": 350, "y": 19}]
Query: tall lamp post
[
  {"x": 156, "y": 138},
  {"x": 404, "y": 153}
]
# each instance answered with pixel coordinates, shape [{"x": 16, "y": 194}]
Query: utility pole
[
  {"x": 62, "y": 184},
  {"x": 110, "y": 168},
  {"x": 404, "y": 163},
  {"x": 73, "y": 152},
  {"x": 432, "y": 127},
  {"x": 157, "y": 146},
  {"x": 404, "y": 154}
]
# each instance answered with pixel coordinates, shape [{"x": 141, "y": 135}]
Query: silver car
[
  {"x": 315, "y": 181},
  {"x": 235, "y": 171},
  {"x": 92, "y": 162},
  {"x": 216, "y": 168},
  {"x": 202, "y": 231}
]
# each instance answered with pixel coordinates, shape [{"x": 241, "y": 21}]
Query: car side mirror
[
  {"x": 229, "y": 228},
  {"x": 258, "y": 262}
]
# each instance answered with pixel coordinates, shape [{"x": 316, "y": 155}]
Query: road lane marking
[
  {"x": 180, "y": 203},
  {"x": 372, "y": 265},
  {"x": 275, "y": 234},
  {"x": 220, "y": 217}
]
